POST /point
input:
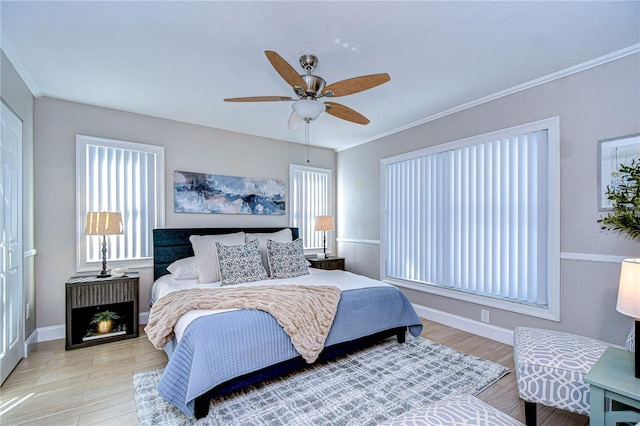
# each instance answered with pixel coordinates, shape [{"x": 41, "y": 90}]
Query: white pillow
[
  {"x": 204, "y": 247},
  {"x": 282, "y": 236},
  {"x": 184, "y": 269}
]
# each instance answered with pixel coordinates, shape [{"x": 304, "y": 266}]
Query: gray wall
[
  {"x": 187, "y": 147},
  {"x": 599, "y": 103},
  {"x": 17, "y": 95}
]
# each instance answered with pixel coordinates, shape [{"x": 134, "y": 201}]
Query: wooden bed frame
[{"x": 171, "y": 244}]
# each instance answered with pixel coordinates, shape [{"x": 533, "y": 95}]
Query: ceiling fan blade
[
  {"x": 345, "y": 113},
  {"x": 294, "y": 121},
  {"x": 285, "y": 70},
  {"x": 260, "y": 99},
  {"x": 356, "y": 84}
]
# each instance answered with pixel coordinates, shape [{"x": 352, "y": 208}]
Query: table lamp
[
  {"x": 629, "y": 299},
  {"x": 324, "y": 224},
  {"x": 103, "y": 223}
]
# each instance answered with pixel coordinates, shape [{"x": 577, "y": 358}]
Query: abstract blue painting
[{"x": 207, "y": 193}]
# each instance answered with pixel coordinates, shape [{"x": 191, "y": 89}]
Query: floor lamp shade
[
  {"x": 629, "y": 298},
  {"x": 103, "y": 223}
]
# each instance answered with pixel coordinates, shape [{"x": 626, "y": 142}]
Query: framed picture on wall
[
  {"x": 209, "y": 193},
  {"x": 612, "y": 153}
]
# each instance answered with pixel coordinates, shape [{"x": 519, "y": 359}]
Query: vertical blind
[
  {"x": 310, "y": 197},
  {"x": 472, "y": 218},
  {"x": 122, "y": 180}
]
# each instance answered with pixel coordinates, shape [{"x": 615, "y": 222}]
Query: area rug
[{"x": 362, "y": 388}]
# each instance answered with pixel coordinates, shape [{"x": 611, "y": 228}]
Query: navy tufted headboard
[{"x": 171, "y": 244}]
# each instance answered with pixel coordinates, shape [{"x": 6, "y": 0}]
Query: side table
[
  {"x": 88, "y": 295},
  {"x": 613, "y": 377},
  {"x": 330, "y": 262}
]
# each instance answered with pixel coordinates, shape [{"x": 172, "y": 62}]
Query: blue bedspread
[{"x": 218, "y": 348}]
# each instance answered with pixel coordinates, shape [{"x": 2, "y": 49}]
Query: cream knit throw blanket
[{"x": 305, "y": 313}]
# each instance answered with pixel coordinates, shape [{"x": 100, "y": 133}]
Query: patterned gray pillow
[
  {"x": 286, "y": 260},
  {"x": 240, "y": 264}
]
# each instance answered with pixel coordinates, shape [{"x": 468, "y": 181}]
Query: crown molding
[
  {"x": 510, "y": 91},
  {"x": 9, "y": 51}
]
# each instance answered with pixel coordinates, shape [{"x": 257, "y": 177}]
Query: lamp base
[
  {"x": 104, "y": 273},
  {"x": 321, "y": 256}
]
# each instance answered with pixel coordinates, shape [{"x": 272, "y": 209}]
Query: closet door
[{"x": 11, "y": 254}]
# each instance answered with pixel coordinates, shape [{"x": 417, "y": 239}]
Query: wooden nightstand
[
  {"x": 331, "y": 262},
  {"x": 88, "y": 295}
]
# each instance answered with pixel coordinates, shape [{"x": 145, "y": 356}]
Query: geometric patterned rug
[{"x": 362, "y": 388}]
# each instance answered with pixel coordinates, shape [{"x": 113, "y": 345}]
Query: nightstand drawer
[
  {"x": 90, "y": 294},
  {"x": 329, "y": 263}
]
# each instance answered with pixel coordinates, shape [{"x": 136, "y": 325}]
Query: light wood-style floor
[{"x": 93, "y": 386}]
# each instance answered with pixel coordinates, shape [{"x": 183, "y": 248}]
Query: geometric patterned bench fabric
[
  {"x": 454, "y": 411},
  {"x": 551, "y": 365}
]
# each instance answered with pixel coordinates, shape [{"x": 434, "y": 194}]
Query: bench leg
[{"x": 530, "y": 413}]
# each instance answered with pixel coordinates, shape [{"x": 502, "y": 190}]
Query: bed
[{"x": 217, "y": 352}]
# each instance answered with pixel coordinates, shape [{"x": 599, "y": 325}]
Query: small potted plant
[
  {"x": 104, "y": 320},
  {"x": 625, "y": 201}
]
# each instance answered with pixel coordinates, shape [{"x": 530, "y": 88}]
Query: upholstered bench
[
  {"x": 550, "y": 369},
  {"x": 454, "y": 411}
]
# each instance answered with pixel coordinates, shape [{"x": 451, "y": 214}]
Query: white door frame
[{"x": 11, "y": 252}]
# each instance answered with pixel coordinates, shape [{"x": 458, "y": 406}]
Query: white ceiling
[{"x": 180, "y": 59}]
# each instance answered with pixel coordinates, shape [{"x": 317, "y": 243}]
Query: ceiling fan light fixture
[
  {"x": 308, "y": 109},
  {"x": 310, "y": 88}
]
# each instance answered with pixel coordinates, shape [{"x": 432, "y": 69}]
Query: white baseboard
[
  {"x": 55, "y": 332},
  {"x": 482, "y": 329},
  {"x": 30, "y": 342}
]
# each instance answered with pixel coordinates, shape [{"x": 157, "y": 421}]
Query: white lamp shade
[
  {"x": 629, "y": 290},
  {"x": 308, "y": 109},
  {"x": 324, "y": 223},
  {"x": 103, "y": 223}
]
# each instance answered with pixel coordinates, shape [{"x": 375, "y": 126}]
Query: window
[
  {"x": 478, "y": 219},
  {"x": 125, "y": 177},
  {"x": 310, "y": 195}
]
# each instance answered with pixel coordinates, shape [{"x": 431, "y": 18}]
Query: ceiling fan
[{"x": 310, "y": 89}]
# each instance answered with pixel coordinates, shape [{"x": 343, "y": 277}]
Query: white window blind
[
  {"x": 473, "y": 218},
  {"x": 310, "y": 196},
  {"x": 122, "y": 177}
]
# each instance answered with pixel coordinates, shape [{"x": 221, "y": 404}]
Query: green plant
[
  {"x": 625, "y": 200},
  {"x": 104, "y": 316}
]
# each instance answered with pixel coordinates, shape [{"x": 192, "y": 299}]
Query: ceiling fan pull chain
[{"x": 306, "y": 135}]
